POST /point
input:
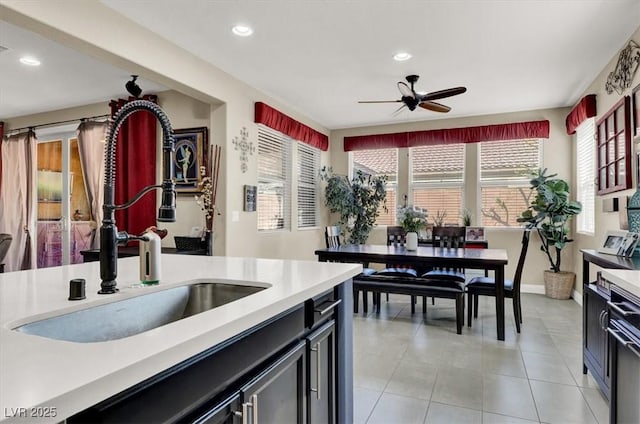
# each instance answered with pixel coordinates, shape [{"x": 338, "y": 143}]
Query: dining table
[{"x": 428, "y": 256}]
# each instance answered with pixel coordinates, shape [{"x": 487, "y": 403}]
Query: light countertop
[
  {"x": 625, "y": 279},
  {"x": 68, "y": 376}
]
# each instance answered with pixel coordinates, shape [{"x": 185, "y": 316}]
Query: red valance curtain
[
  {"x": 273, "y": 118},
  {"x": 501, "y": 132},
  {"x": 135, "y": 167},
  {"x": 586, "y": 108}
]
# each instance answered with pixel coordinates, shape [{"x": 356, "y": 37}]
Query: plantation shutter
[
  {"x": 308, "y": 166},
  {"x": 377, "y": 163},
  {"x": 437, "y": 174},
  {"x": 505, "y": 172},
  {"x": 585, "y": 190},
  {"x": 274, "y": 190}
]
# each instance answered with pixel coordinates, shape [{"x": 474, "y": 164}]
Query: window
[
  {"x": 437, "y": 176},
  {"x": 274, "y": 188},
  {"x": 585, "y": 190},
  {"x": 376, "y": 163},
  {"x": 308, "y": 166},
  {"x": 505, "y": 168},
  {"x": 614, "y": 142}
]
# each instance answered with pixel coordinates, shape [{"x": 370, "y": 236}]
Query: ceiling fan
[{"x": 411, "y": 99}]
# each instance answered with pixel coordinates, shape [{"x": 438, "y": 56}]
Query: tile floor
[{"x": 416, "y": 369}]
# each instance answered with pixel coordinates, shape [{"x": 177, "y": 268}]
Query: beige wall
[
  {"x": 557, "y": 156},
  {"x": 606, "y": 220}
]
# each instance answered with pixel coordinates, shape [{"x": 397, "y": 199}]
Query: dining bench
[{"x": 415, "y": 286}]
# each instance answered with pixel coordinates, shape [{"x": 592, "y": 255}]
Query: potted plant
[
  {"x": 412, "y": 219},
  {"x": 357, "y": 202},
  {"x": 549, "y": 214}
]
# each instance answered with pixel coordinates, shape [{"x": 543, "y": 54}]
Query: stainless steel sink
[{"x": 135, "y": 315}]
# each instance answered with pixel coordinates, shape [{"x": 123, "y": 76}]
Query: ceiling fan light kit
[{"x": 412, "y": 99}]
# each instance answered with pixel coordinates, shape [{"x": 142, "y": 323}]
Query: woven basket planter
[{"x": 558, "y": 285}]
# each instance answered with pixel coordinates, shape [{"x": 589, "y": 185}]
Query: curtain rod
[{"x": 50, "y": 124}]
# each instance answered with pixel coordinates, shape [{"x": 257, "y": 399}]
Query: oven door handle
[
  {"x": 629, "y": 344},
  {"x": 616, "y": 307}
]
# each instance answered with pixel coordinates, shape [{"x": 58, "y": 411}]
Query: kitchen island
[{"x": 53, "y": 379}]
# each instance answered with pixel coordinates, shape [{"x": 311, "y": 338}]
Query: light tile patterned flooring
[{"x": 416, "y": 369}]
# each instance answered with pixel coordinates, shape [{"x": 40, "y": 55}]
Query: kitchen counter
[
  {"x": 68, "y": 377},
  {"x": 625, "y": 279}
]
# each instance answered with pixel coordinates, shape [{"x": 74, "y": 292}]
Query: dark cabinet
[
  {"x": 276, "y": 396},
  {"x": 226, "y": 412},
  {"x": 321, "y": 375},
  {"x": 284, "y": 370},
  {"x": 596, "y": 340}
]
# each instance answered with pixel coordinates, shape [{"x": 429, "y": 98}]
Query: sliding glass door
[{"x": 64, "y": 227}]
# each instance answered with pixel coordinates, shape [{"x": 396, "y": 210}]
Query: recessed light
[
  {"x": 401, "y": 56},
  {"x": 242, "y": 30},
  {"x": 29, "y": 61}
]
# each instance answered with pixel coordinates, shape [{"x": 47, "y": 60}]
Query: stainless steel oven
[{"x": 624, "y": 338}]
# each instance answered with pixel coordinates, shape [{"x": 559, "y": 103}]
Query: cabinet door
[
  {"x": 321, "y": 375},
  {"x": 223, "y": 413},
  {"x": 595, "y": 337},
  {"x": 277, "y": 395}
]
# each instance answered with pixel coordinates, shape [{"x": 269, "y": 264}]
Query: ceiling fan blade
[
  {"x": 397, "y": 111},
  {"x": 433, "y": 106},
  {"x": 435, "y": 95},
  {"x": 405, "y": 90},
  {"x": 379, "y": 101}
]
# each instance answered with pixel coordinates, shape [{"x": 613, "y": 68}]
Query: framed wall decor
[
  {"x": 250, "y": 194},
  {"x": 191, "y": 153}
]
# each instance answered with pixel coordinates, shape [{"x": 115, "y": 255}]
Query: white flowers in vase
[{"x": 412, "y": 218}]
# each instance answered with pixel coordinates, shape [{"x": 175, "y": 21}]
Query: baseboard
[
  {"x": 539, "y": 289},
  {"x": 577, "y": 297},
  {"x": 532, "y": 288}
]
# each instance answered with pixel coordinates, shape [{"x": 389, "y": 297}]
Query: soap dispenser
[{"x": 150, "y": 258}]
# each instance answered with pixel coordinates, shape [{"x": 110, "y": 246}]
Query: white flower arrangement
[{"x": 412, "y": 218}]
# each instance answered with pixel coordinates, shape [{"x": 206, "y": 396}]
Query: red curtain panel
[
  {"x": 135, "y": 167},
  {"x": 586, "y": 108}
]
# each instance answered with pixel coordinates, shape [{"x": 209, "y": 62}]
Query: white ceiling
[
  {"x": 321, "y": 57},
  {"x": 65, "y": 78}
]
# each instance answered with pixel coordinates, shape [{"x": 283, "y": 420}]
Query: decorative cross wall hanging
[
  {"x": 622, "y": 76},
  {"x": 246, "y": 148}
]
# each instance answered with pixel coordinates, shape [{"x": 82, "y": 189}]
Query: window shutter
[
  {"x": 308, "y": 166},
  {"x": 376, "y": 163},
  {"x": 585, "y": 162},
  {"x": 274, "y": 189},
  {"x": 505, "y": 173},
  {"x": 437, "y": 174}
]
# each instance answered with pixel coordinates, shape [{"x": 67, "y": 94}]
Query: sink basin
[{"x": 135, "y": 315}]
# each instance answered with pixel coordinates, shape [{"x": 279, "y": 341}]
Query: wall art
[
  {"x": 622, "y": 76},
  {"x": 246, "y": 148},
  {"x": 191, "y": 153}
]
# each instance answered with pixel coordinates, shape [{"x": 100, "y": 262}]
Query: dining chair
[
  {"x": 486, "y": 286},
  {"x": 332, "y": 239},
  {"x": 396, "y": 236}
]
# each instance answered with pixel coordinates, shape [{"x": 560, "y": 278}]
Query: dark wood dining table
[{"x": 428, "y": 256}]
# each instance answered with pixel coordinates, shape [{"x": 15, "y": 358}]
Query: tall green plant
[
  {"x": 357, "y": 202},
  {"x": 549, "y": 213}
]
